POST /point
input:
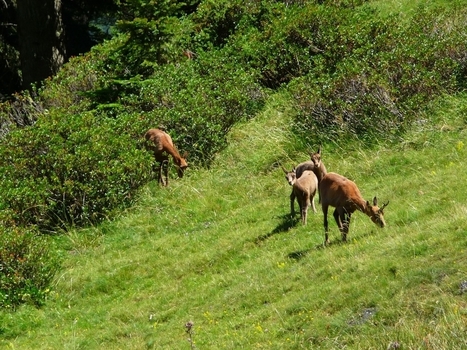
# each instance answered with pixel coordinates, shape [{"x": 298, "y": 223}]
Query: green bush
[
  {"x": 378, "y": 73},
  {"x": 198, "y": 102},
  {"x": 27, "y": 266},
  {"x": 82, "y": 159},
  {"x": 70, "y": 171}
]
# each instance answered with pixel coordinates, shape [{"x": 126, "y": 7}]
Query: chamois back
[
  {"x": 305, "y": 166},
  {"x": 304, "y": 190}
]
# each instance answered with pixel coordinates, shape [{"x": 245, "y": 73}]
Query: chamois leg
[
  {"x": 165, "y": 169},
  {"x": 345, "y": 225},
  {"x": 313, "y": 204},
  {"x": 292, "y": 204},
  {"x": 155, "y": 169},
  {"x": 160, "y": 179},
  {"x": 304, "y": 211},
  {"x": 342, "y": 218},
  {"x": 337, "y": 218},
  {"x": 326, "y": 226}
]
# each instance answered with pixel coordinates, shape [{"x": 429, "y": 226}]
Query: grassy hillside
[{"x": 218, "y": 248}]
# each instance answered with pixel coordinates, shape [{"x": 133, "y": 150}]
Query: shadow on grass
[
  {"x": 299, "y": 254},
  {"x": 286, "y": 224}
]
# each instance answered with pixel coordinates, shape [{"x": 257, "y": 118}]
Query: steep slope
[{"x": 218, "y": 248}]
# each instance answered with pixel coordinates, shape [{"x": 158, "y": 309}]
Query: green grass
[{"x": 218, "y": 248}]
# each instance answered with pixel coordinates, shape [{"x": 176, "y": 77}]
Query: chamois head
[
  {"x": 316, "y": 158},
  {"x": 181, "y": 164},
  {"x": 375, "y": 213},
  {"x": 290, "y": 176}
]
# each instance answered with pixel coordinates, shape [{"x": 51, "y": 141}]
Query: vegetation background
[{"x": 94, "y": 254}]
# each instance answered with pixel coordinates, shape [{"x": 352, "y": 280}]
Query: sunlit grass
[{"x": 218, "y": 248}]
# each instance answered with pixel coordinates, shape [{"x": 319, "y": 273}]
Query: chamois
[
  {"x": 319, "y": 169},
  {"x": 160, "y": 143},
  {"x": 314, "y": 164},
  {"x": 304, "y": 190},
  {"x": 344, "y": 195}
]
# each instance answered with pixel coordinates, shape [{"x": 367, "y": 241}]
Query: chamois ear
[
  {"x": 185, "y": 155},
  {"x": 375, "y": 201}
]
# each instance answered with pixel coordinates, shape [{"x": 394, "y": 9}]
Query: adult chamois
[
  {"x": 343, "y": 194},
  {"x": 160, "y": 143}
]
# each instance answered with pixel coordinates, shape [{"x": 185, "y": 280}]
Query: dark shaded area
[
  {"x": 287, "y": 223},
  {"x": 85, "y": 22}
]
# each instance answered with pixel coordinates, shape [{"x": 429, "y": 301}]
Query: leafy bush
[
  {"x": 350, "y": 106},
  {"x": 27, "y": 266},
  {"x": 76, "y": 170},
  {"x": 379, "y": 73},
  {"x": 82, "y": 159},
  {"x": 197, "y": 102}
]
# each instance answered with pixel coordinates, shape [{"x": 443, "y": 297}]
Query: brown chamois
[
  {"x": 160, "y": 143},
  {"x": 343, "y": 194},
  {"x": 304, "y": 190}
]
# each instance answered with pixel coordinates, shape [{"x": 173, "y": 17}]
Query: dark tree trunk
[{"x": 41, "y": 39}]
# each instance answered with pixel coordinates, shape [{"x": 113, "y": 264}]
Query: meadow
[{"x": 218, "y": 248}]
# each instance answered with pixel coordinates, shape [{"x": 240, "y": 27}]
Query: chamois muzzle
[{"x": 180, "y": 171}]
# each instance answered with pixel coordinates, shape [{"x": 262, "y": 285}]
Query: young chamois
[
  {"x": 344, "y": 195},
  {"x": 160, "y": 143},
  {"x": 304, "y": 190}
]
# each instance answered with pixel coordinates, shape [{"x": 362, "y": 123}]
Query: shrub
[
  {"x": 27, "y": 266},
  {"x": 70, "y": 171},
  {"x": 348, "y": 107},
  {"x": 379, "y": 73},
  {"x": 196, "y": 101},
  {"x": 20, "y": 111}
]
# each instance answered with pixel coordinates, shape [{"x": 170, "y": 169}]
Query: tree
[{"x": 41, "y": 39}]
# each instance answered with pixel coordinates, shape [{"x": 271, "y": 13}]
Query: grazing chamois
[
  {"x": 344, "y": 195},
  {"x": 160, "y": 143},
  {"x": 304, "y": 190}
]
